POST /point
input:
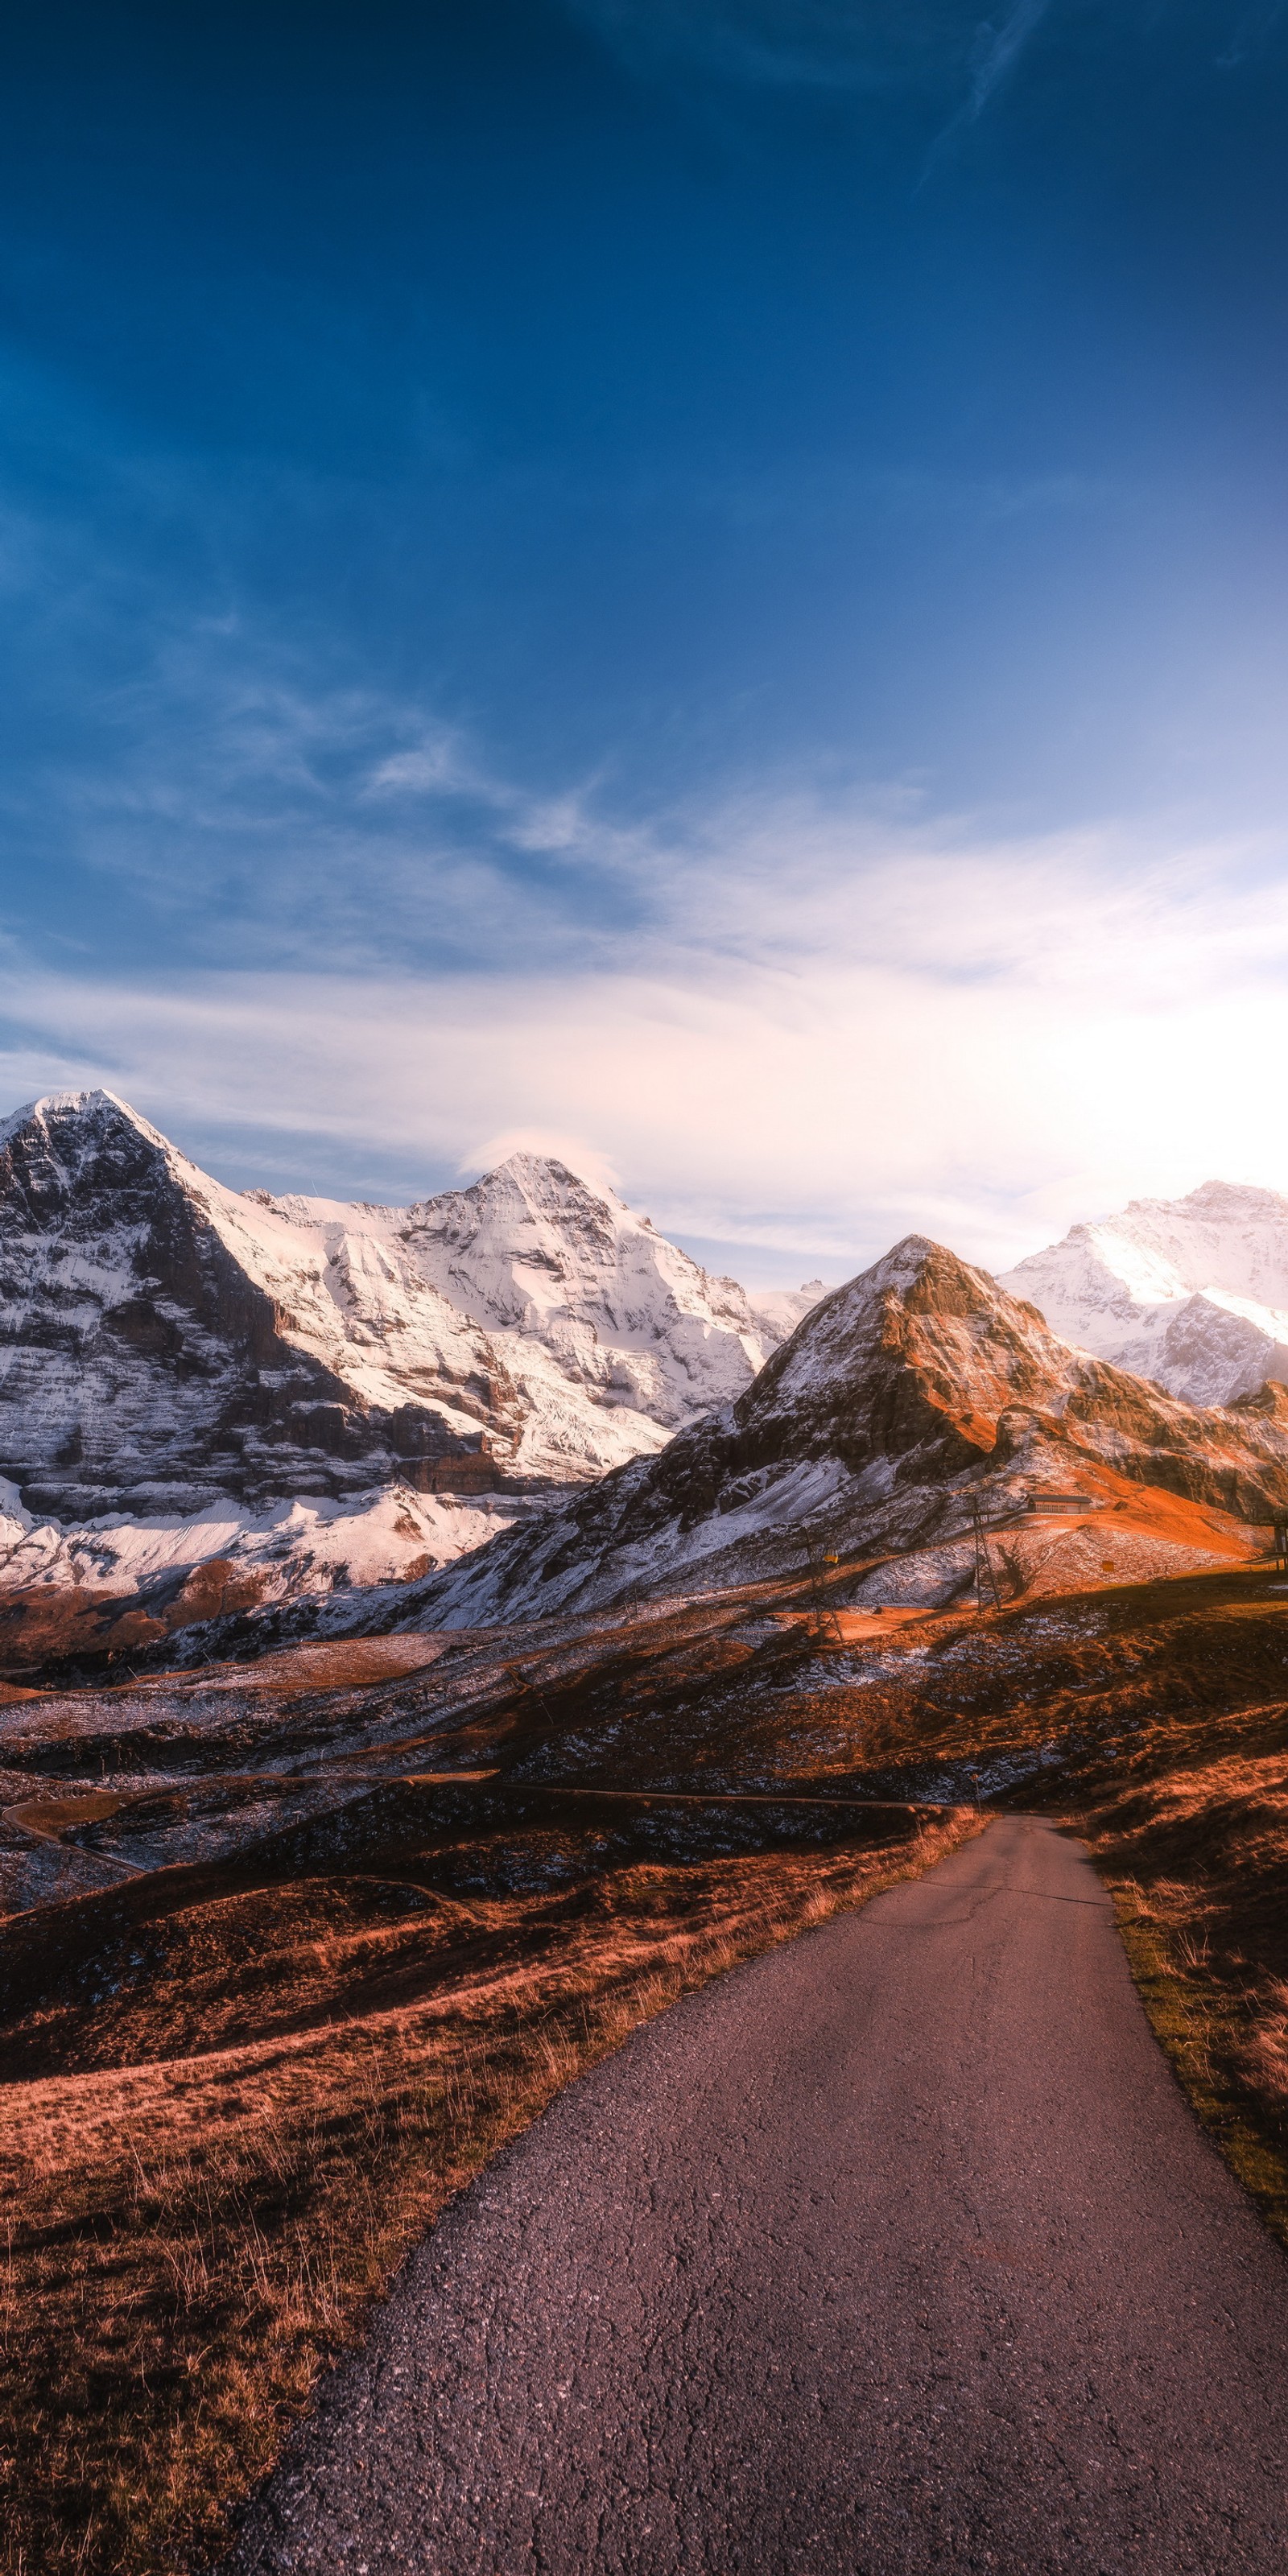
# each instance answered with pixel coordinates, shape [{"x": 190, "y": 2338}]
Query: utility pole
[
  {"x": 986, "y": 1585},
  {"x": 826, "y": 1622}
]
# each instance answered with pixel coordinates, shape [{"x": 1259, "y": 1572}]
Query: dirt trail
[{"x": 896, "y": 2249}]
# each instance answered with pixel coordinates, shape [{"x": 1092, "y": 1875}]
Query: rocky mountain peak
[
  {"x": 1224, "y": 1200},
  {"x": 530, "y": 1206},
  {"x": 547, "y": 1182},
  {"x": 923, "y": 1311},
  {"x": 64, "y": 1139},
  {"x": 536, "y": 1249},
  {"x": 93, "y": 1108},
  {"x": 930, "y": 1280}
]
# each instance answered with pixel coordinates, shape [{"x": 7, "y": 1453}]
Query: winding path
[{"x": 897, "y": 2250}]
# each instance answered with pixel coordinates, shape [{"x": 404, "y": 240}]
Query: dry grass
[
  {"x": 1196, "y": 1859},
  {"x": 238, "y": 2093},
  {"x": 235, "y": 2108}
]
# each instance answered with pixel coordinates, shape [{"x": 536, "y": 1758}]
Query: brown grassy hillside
[
  {"x": 236, "y": 2095},
  {"x": 362, "y": 1908}
]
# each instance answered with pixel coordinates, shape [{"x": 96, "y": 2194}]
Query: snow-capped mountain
[
  {"x": 902, "y": 1401},
  {"x": 1191, "y": 1292},
  {"x": 309, "y": 1391},
  {"x": 609, "y": 1337},
  {"x": 520, "y": 1397}
]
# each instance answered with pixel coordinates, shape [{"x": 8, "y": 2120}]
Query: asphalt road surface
[{"x": 895, "y": 2250}]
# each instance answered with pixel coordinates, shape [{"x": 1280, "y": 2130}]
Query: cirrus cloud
[{"x": 836, "y": 1028}]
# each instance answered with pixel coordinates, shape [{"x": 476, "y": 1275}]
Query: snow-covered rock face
[
  {"x": 609, "y": 1336},
  {"x": 164, "y": 1341},
  {"x": 1190, "y": 1292},
  {"x": 192, "y": 1358}
]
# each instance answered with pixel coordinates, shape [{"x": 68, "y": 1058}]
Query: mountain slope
[
  {"x": 901, "y": 1401},
  {"x": 1191, "y": 1292}
]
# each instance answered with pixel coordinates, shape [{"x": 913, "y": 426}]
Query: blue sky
[{"x": 700, "y": 583}]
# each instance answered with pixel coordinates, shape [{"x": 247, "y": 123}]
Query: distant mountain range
[
  {"x": 906, "y": 1404},
  {"x": 519, "y": 1396},
  {"x": 297, "y": 1391},
  {"x": 1191, "y": 1292}
]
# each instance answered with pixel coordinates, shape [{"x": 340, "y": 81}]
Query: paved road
[{"x": 897, "y": 2250}]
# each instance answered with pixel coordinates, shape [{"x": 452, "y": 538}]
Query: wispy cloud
[
  {"x": 1244, "y": 40},
  {"x": 995, "y": 50},
  {"x": 787, "y": 44},
  {"x": 897, "y": 1028},
  {"x": 235, "y": 792},
  {"x": 825, "y": 45},
  {"x": 245, "y": 802},
  {"x": 786, "y": 1014}
]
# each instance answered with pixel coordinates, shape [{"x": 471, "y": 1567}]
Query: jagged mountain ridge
[
  {"x": 168, "y": 1340},
  {"x": 903, "y": 1399},
  {"x": 179, "y": 1356},
  {"x": 212, "y": 1399},
  {"x": 610, "y": 1336},
  {"x": 1190, "y": 1292}
]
